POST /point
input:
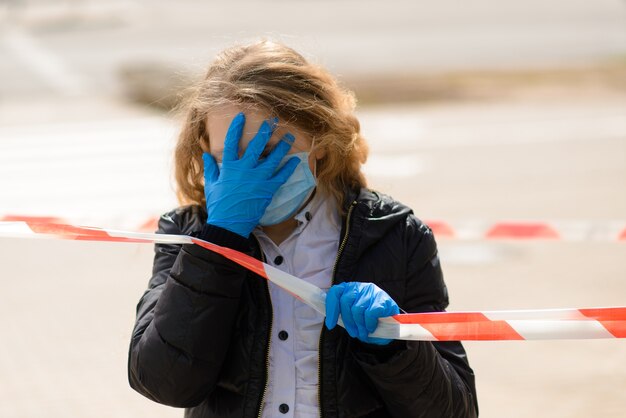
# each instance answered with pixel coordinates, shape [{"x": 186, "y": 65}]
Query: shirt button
[
  {"x": 308, "y": 216},
  {"x": 283, "y": 335},
  {"x": 283, "y": 408},
  {"x": 278, "y": 260}
]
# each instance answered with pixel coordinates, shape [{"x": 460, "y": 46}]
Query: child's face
[{"x": 219, "y": 121}]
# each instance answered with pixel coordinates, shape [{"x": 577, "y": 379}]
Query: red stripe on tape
[
  {"x": 605, "y": 314},
  {"x": 244, "y": 260},
  {"x": 517, "y": 230},
  {"x": 78, "y": 233},
  {"x": 622, "y": 236},
  {"x": 453, "y": 326},
  {"x": 108, "y": 239},
  {"x": 617, "y": 328},
  {"x": 23, "y": 218},
  {"x": 440, "y": 317},
  {"x": 612, "y": 319},
  {"x": 473, "y": 331},
  {"x": 441, "y": 229},
  {"x": 68, "y": 230},
  {"x": 151, "y": 225}
]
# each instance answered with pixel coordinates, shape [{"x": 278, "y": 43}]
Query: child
[{"x": 268, "y": 163}]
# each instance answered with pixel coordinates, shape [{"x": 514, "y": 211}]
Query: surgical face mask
[{"x": 290, "y": 196}]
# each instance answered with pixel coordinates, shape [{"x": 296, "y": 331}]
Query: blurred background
[{"x": 475, "y": 110}]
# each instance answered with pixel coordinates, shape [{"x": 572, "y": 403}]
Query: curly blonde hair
[{"x": 273, "y": 78}]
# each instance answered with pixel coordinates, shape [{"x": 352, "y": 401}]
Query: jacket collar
[
  {"x": 373, "y": 214},
  {"x": 375, "y": 207}
]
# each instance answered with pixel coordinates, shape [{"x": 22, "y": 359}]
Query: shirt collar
[
  {"x": 311, "y": 209},
  {"x": 319, "y": 206}
]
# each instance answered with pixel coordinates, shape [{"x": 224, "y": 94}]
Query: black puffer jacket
[{"x": 202, "y": 331}]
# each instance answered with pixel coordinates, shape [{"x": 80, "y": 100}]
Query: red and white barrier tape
[
  {"x": 531, "y": 230},
  {"x": 460, "y": 230},
  {"x": 591, "y": 323}
]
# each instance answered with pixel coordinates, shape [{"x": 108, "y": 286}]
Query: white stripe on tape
[{"x": 551, "y": 330}]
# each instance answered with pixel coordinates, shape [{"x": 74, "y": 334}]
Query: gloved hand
[
  {"x": 238, "y": 194},
  {"x": 360, "y": 305}
]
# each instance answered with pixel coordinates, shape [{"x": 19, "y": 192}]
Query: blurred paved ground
[
  {"x": 68, "y": 147},
  {"x": 68, "y": 306}
]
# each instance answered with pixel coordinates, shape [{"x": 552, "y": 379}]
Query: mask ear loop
[
  {"x": 311, "y": 152},
  {"x": 314, "y": 159}
]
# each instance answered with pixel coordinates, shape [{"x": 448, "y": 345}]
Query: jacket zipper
[
  {"x": 319, "y": 349},
  {"x": 269, "y": 336}
]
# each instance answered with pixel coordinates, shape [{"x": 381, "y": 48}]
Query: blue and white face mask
[{"x": 290, "y": 196}]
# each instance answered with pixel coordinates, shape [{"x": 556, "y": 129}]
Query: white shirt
[{"x": 308, "y": 253}]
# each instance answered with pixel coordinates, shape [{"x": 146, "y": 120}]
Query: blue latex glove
[
  {"x": 360, "y": 305},
  {"x": 238, "y": 194}
]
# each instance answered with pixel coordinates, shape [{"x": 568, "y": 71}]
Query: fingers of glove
[
  {"x": 332, "y": 305},
  {"x": 211, "y": 171},
  {"x": 345, "y": 303},
  {"x": 287, "y": 170},
  {"x": 394, "y": 310},
  {"x": 257, "y": 145},
  {"x": 231, "y": 142},
  {"x": 362, "y": 307},
  {"x": 381, "y": 308},
  {"x": 358, "y": 315},
  {"x": 371, "y": 317},
  {"x": 280, "y": 150}
]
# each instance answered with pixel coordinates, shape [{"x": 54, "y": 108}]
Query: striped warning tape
[
  {"x": 531, "y": 230},
  {"x": 610, "y": 231},
  {"x": 587, "y": 323}
]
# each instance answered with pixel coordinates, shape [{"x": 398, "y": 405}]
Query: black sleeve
[
  {"x": 185, "y": 317},
  {"x": 422, "y": 378}
]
